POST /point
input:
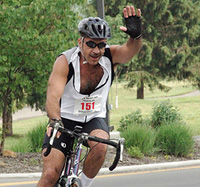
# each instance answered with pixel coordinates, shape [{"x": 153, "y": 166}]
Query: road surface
[{"x": 171, "y": 177}]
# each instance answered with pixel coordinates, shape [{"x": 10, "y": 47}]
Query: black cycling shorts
[{"x": 62, "y": 143}]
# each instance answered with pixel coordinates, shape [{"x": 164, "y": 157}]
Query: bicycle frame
[{"x": 72, "y": 165}]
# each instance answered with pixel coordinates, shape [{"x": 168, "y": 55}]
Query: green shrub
[
  {"x": 141, "y": 136},
  {"x": 175, "y": 139},
  {"x": 31, "y": 142},
  {"x": 133, "y": 118},
  {"x": 135, "y": 152},
  {"x": 36, "y": 137},
  {"x": 164, "y": 112},
  {"x": 21, "y": 145}
]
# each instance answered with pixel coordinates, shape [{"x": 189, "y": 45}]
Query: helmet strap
[{"x": 85, "y": 61}]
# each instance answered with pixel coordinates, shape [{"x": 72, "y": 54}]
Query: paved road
[
  {"x": 171, "y": 177},
  {"x": 174, "y": 177},
  {"x": 190, "y": 94}
]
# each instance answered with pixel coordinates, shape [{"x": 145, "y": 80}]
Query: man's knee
[
  {"x": 52, "y": 166},
  {"x": 99, "y": 149},
  {"x": 51, "y": 175}
]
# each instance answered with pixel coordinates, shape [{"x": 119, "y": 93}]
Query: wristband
[
  {"x": 52, "y": 121},
  {"x": 56, "y": 120}
]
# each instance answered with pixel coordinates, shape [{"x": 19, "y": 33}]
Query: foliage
[
  {"x": 164, "y": 133},
  {"x": 133, "y": 118},
  {"x": 30, "y": 142},
  {"x": 36, "y": 137},
  {"x": 32, "y": 34},
  {"x": 175, "y": 139},
  {"x": 141, "y": 136},
  {"x": 21, "y": 145},
  {"x": 135, "y": 152},
  {"x": 171, "y": 31},
  {"x": 164, "y": 112}
]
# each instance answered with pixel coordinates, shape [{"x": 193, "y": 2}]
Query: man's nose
[{"x": 96, "y": 50}]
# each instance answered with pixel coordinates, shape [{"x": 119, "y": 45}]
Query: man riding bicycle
[{"x": 78, "y": 89}]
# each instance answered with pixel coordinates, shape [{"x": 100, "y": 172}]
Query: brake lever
[
  {"x": 121, "y": 140},
  {"x": 55, "y": 130}
]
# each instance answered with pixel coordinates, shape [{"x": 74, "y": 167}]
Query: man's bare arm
[
  {"x": 56, "y": 85},
  {"x": 124, "y": 53}
]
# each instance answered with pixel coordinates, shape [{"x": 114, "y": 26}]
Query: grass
[
  {"x": 127, "y": 102},
  {"x": 188, "y": 108},
  {"x": 22, "y": 127}
]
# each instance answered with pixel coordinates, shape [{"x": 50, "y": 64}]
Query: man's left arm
[{"x": 124, "y": 53}]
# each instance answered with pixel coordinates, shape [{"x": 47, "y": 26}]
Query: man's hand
[
  {"x": 50, "y": 127},
  {"x": 133, "y": 22}
]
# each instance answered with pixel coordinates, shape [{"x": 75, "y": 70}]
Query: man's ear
[{"x": 79, "y": 42}]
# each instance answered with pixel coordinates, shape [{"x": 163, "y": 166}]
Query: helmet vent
[
  {"x": 97, "y": 20},
  {"x": 104, "y": 30},
  {"x": 86, "y": 27},
  {"x": 94, "y": 30},
  {"x": 100, "y": 28}
]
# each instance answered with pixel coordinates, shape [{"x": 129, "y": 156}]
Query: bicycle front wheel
[{"x": 76, "y": 182}]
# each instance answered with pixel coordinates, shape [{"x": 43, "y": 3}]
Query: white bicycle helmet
[{"x": 94, "y": 28}]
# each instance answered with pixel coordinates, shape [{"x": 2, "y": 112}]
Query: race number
[{"x": 87, "y": 105}]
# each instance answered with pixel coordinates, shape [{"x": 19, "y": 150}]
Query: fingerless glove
[{"x": 134, "y": 27}]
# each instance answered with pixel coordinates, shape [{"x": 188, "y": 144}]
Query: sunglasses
[{"x": 92, "y": 44}]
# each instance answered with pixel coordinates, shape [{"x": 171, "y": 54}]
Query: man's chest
[{"x": 90, "y": 78}]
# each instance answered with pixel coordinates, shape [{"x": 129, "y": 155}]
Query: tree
[
  {"x": 168, "y": 39},
  {"x": 170, "y": 48},
  {"x": 32, "y": 33}
]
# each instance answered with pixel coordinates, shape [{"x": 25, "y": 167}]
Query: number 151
[{"x": 87, "y": 106}]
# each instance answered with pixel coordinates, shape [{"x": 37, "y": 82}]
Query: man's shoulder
[{"x": 69, "y": 51}]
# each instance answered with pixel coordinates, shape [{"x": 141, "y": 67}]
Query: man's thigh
[{"x": 96, "y": 124}]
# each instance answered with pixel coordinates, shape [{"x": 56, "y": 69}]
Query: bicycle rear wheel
[{"x": 76, "y": 182}]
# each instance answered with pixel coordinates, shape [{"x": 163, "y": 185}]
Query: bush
[
  {"x": 141, "y": 136},
  {"x": 168, "y": 137},
  {"x": 32, "y": 142},
  {"x": 21, "y": 145},
  {"x": 164, "y": 113},
  {"x": 135, "y": 152},
  {"x": 175, "y": 139},
  {"x": 133, "y": 118},
  {"x": 36, "y": 137}
]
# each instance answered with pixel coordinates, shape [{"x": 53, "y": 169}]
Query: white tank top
[{"x": 80, "y": 107}]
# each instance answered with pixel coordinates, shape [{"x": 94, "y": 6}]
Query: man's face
[{"x": 92, "y": 49}]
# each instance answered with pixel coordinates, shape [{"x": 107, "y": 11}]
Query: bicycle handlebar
[{"x": 83, "y": 136}]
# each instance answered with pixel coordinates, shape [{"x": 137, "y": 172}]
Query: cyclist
[{"x": 78, "y": 89}]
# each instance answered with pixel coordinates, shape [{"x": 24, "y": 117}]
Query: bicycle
[{"x": 70, "y": 174}]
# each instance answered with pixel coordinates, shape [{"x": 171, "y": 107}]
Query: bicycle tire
[{"x": 76, "y": 182}]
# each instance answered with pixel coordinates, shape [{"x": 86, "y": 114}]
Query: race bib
[{"x": 87, "y": 105}]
